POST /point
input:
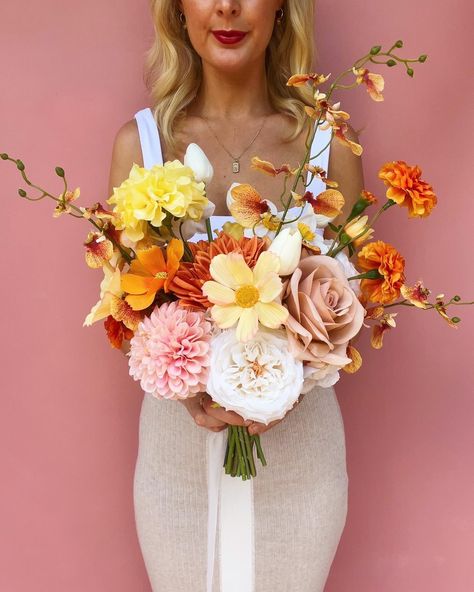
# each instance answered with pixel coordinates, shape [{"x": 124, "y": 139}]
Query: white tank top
[{"x": 153, "y": 154}]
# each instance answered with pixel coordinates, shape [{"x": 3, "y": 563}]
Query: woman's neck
[{"x": 232, "y": 96}]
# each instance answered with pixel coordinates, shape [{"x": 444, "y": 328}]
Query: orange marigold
[
  {"x": 390, "y": 264},
  {"x": 188, "y": 281},
  {"x": 407, "y": 189}
]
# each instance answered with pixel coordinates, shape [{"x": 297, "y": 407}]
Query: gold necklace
[{"x": 236, "y": 159}]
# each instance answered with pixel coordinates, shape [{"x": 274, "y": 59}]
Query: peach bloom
[
  {"x": 301, "y": 79},
  {"x": 243, "y": 296},
  {"x": 99, "y": 249},
  {"x": 390, "y": 264},
  {"x": 117, "y": 332},
  {"x": 407, "y": 189},
  {"x": 356, "y": 360},
  {"x": 269, "y": 168},
  {"x": 325, "y": 315},
  {"x": 188, "y": 281}
]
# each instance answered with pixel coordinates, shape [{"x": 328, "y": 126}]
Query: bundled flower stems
[{"x": 266, "y": 309}]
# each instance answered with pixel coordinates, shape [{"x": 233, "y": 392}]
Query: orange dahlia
[
  {"x": 390, "y": 264},
  {"x": 188, "y": 281},
  {"x": 407, "y": 189}
]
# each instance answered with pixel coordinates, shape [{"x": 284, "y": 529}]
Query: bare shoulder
[{"x": 125, "y": 152}]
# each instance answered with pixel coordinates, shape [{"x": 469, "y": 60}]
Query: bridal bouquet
[{"x": 265, "y": 309}]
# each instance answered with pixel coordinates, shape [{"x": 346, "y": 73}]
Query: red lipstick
[{"x": 230, "y": 36}]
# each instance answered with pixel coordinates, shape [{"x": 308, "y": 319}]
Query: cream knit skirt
[{"x": 299, "y": 498}]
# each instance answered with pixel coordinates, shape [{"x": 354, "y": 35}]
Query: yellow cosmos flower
[
  {"x": 148, "y": 194},
  {"x": 245, "y": 296}
]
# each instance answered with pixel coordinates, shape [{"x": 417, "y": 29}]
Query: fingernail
[{"x": 248, "y": 422}]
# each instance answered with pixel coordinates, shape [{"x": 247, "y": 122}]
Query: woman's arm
[{"x": 345, "y": 168}]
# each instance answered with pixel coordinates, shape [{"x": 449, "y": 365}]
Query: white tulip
[
  {"x": 287, "y": 245},
  {"x": 196, "y": 159}
]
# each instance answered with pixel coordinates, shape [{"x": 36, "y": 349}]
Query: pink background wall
[{"x": 71, "y": 75}]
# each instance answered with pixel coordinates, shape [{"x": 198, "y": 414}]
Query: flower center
[
  {"x": 161, "y": 275},
  {"x": 247, "y": 296},
  {"x": 257, "y": 369}
]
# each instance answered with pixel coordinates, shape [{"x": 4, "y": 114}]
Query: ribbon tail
[{"x": 216, "y": 446}]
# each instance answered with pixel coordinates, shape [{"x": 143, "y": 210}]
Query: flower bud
[
  {"x": 196, "y": 159},
  {"x": 21, "y": 192},
  {"x": 456, "y": 320},
  {"x": 391, "y": 63},
  {"x": 456, "y": 298},
  {"x": 59, "y": 171},
  {"x": 399, "y": 43},
  {"x": 355, "y": 227},
  {"x": 410, "y": 72},
  {"x": 4, "y": 156},
  {"x": 375, "y": 49},
  {"x": 20, "y": 166},
  {"x": 422, "y": 58},
  {"x": 287, "y": 245}
]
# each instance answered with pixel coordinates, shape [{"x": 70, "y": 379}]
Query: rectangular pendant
[{"x": 235, "y": 166}]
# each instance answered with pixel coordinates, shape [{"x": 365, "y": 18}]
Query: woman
[{"x": 217, "y": 73}]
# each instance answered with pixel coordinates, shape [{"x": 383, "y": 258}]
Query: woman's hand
[
  {"x": 201, "y": 418},
  {"x": 256, "y": 427},
  {"x": 220, "y": 414}
]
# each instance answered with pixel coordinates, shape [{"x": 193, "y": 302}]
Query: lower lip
[{"x": 226, "y": 40}]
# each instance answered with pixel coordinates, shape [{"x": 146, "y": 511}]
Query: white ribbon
[{"x": 230, "y": 506}]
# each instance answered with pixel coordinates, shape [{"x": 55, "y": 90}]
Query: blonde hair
[{"x": 173, "y": 69}]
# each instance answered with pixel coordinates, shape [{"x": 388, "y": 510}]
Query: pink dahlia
[{"x": 169, "y": 352}]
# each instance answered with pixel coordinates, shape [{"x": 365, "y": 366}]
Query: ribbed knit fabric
[{"x": 299, "y": 498}]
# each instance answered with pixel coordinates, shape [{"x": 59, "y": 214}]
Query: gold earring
[
  {"x": 182, "y": 19},
  {"x": 279, "y": 17}
]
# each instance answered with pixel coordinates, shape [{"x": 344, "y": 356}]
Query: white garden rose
[{"x": 258, "y": 379}]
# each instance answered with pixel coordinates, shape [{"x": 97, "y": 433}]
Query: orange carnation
[
  {"x": 188, "y": 281},
  {"x": 407, "y": 189},
  {"x": 390, "y": 264}
]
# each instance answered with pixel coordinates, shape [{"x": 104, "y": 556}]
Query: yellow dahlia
[{"x": 245, "y": 296}]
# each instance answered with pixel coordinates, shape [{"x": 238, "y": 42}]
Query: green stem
[
  {"x": 248, "y": 446},
  {"x": 240, "y": 431},
  {"x": 231, "y": 449},
  {"x": 261, "y": 456}
]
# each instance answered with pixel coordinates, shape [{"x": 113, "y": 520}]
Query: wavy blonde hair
[{"x": 173, "y": 69}]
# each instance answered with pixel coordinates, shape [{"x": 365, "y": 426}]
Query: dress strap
[
  {"x": 149, "y": 138},
  {"x": 320, "y": 140}
]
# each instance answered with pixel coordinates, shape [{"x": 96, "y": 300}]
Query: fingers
[
  {"x": 201, "y": 418},
  {"x": 260, "y": 428},
  {"x": 221, "y": 414}
]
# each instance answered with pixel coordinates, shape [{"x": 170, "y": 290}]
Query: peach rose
[{"x": 325, "y": 314}]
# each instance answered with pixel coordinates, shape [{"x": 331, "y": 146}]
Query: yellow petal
[
  {"x": 271, "y": 314},
  {"x": 267, "y": 262},
  {"x": 140, "y": 302},
  {"x": 248, "y": 324},
  {"x": 225, "y": 316},
  {"x": 270, "y": 289},
  {"x": 217, "y": 293},
  {"x": 231, "y": 270}
]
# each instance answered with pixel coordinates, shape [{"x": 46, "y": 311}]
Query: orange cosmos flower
[
  {"x": 374, "y": 82},
  {"x": 150, "y": 273},
  {"x": 247, "y": 206},
  {"x": 407, "y": 189},
  {"x": 188, "y": 281},
  {"x": 390, "y": 264}
]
